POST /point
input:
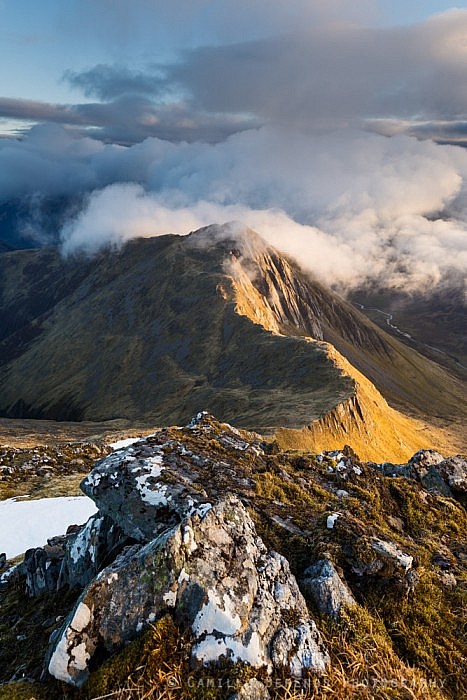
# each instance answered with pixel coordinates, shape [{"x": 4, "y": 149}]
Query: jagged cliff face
[
  {"x": 218, "y": 320},
  {"x": 274, "y": 292}
]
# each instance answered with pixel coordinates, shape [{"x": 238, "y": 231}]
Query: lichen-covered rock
[
  {"x": 389, "y": 561},
  {"x": 214, "y": 573},
  {"x": 454, "y": 472},
  {"x": 433, "y": 482},
  {"x": 327, "y": 589},
  {"x": 296, "y": 648},
  {"x": 72, "y": 559},
  {"x": 43, "y": 566},
  {"x": 251, "y": 690},
  {"x": 443, "y": 477},
  {"x": 157, "y": 482},
  {"x": 424, "y": 459},
  {"x": 89, "y": 549}
]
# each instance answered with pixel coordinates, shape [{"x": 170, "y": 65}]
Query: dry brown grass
[{"x": 376, "y": 431}]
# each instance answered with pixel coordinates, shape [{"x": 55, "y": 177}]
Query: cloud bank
[
  {"x": 351, "y": 207},
  {"x": 303, "y": 120}
]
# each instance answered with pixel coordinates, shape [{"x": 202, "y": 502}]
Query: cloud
[
  {"x": 268, "y": 129},
  {"x": 341, "y": 72},
  {"x": 306, "y": 73},
  {"x": 108, "y": 82},
  {"x": 34, "y": 110},
  {"x": 129, "y": 119},
  {"x": 350, "y": 207}
]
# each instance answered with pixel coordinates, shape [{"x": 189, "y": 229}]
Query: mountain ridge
[{"x": 166, "y": 325}]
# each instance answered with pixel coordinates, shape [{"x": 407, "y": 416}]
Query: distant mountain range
[{"x": 215, "y": 320}]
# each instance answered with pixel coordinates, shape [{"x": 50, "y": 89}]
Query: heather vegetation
[{"x": 394, "y": 535}]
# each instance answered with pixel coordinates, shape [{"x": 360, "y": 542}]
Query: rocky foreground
[{"x": 220, "y": 566}]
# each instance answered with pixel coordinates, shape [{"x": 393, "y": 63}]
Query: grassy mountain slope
[
  {"x": 148, "y": 334},
  {"x": 214, "y": 320},
  {"x": 434, "y": 323}
]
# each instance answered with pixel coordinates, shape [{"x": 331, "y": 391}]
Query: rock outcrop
[
  {"x": 196, "y": 554},
  {"x": 199, "y": 539},
  {"x": 446, "y": 477},
  {"x": 327, "y": 588},
  {"x": 240, "y": 601}
]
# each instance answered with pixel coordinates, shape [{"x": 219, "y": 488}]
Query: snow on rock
[
  {"x": 69, "y": 662},
  {"x": 126, "y": 442},
  {"x": 160, "y": 477},
  {"x": 331, "y": 520},
  {"x": 28, "y": 524},
  {"x": 215, "y": 574},
  {"x": 217, "y": 615}
]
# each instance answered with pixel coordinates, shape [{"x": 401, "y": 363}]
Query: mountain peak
[{"x": 218, "y": 319}]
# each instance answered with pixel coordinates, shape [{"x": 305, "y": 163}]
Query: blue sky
[
  {"x": 40, "y": 39},
  {"x": 116, "y": 63},
  {"x": 167, "y": 116}
]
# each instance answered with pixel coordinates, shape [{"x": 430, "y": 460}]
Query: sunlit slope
[
  {"x": 216, "y": 320},
  {"x": 151, "y": 334},
  {"x": 368, "y": 424},
  {"x": 273, "y": 291}
]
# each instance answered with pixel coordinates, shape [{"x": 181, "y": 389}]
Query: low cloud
[
  {"x": 350, "y": 207},
  {"x": 316, "y": 129}
]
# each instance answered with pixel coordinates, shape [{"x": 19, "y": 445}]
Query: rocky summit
[{"x": 219, "y": 565}]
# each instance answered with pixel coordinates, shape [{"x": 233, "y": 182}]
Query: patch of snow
[
  {"x": 203, "y": 509},
  {"x": 217, "y": 615},
  {"x": 189, "y": 539},
  {"x": 81, "y": 618},
  {"x": 93, "y": 479},
  {"x": 27, "y": 524},
  {"x": 152, "y": 494},
  {"x": 330, "y": 522},
  {"x": 58, "y": 665},
  {"x": 80, "y": 656},
  {"x": 341, "y": 493},
  {"x": 170, "y": 598},
  {"x": 183, "y": 577},
  {"x": 83, "y": 541},
  {"x": 5, "y": 577},
  {"x": 65, "y": 653},
  {"x": 194, "y": 421},
  {"x": 357, "y": 470},
  {"x": 155, "y": 464},
  {"x": 211, "y": 649},
  {"x": 126, "y": 442},
  {"x": 113, "y": 577}
]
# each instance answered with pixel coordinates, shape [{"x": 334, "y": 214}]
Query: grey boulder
[
  {"x": 214, "y": 573},
  {"x": 329, "y": 592}
]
